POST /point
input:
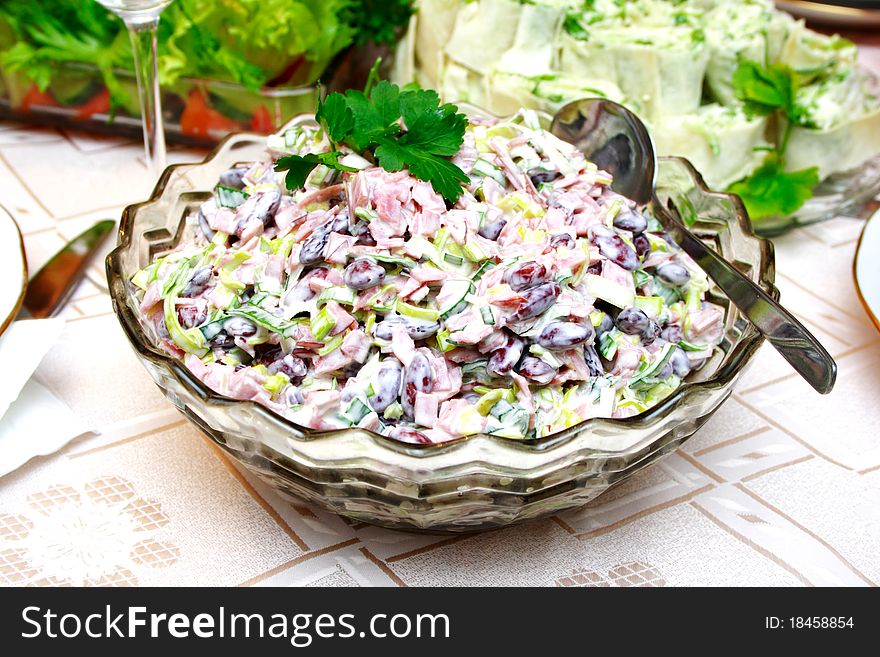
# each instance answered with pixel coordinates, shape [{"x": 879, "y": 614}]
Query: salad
[{"x": 525, "y": 301}]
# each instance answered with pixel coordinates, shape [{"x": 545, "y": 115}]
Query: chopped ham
[
  {"x": 402, "y": 346},
  {"x": 342, "y": 319},
  {"x": 332, "y": 362},
  {"x": 425, "y": 409},
  {"x": 338, "y": 246},
  {"x": 356, "y": 346}
]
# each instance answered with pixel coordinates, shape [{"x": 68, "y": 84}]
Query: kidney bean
[
  {"x": 673, "y": 274},
  {"x": 681, "y": 364},
  {"x": 594, "y": 363},
  {"x": 239, "y": 327},
  {"x": 672, "y": 333},
  {"x": 312, "y": 251},
  {"x": 408, "y": 435},
  {"x": 562, "y": 240},
  {"x": 384, "y": 330},
  {"x": 205, "y": 227},
  {"x": 363, "y": 273},
  {"x": 417, "y": 377},
  {"x": 630, "y": 220},
  {"x": 295, "y": 368},
  {"x": 633, "y": 321},
  {"x": 615, "y": 249},
  {"x": 262, "y": 206},
  {"x": 559, "y": 336},
  {"x": 536, "y": 370},
  {"x": 536, "y": 300},
  {"x": 233, "y": 178},
  {"x": 642, "y": 245},
  {"x": 505, "y": 358},
  {"x": 387, "y": 385},
  {"x": 492, "y": 229},
  {"x": 191, "y": 316},
  {"x": 525, "y": 275},
  {"x": 197, "y": 282}
]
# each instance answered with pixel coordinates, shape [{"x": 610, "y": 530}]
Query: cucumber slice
[
  {"x": 488, "y": 317},
  {"x": 477, "y": 275},
  {"x": 690, "y": 346},
  {"x": 356, "y": 411},
  {"x": 400, "y": 261},
  {"x": 227, "y": 197},
  {"x": 264, "y": 318},
  {"x": 607, "y": 346},
  {"x": 652, "y": 369},
  {"x": 453, "y": 294}
]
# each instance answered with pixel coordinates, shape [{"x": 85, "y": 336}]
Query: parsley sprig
[
  {"x": 771, "y": 190},
  {"x": 369, "y": 122}
]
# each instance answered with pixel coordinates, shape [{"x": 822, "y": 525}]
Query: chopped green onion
[
  {"x": 393, "y": 412},
  {"x": 367, "y": 214},
  {"x": 338, "y": 293},
  {"x": 262, "y": 317},
  {"x": 415, "y": 311},
  {"x": 332, "y": 345},
  {"x": 322, "y": 324}
]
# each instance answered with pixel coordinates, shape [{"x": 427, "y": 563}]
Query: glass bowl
[{"x": 467, "y": 484}]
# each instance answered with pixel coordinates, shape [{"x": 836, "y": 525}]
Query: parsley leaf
[
  {"x": 336, "y": 117},
  {"x": 444, "y": 176},
  {"x": 370, "y": 124},
  {"x": 771, "y": 191},
  {"x": 431, "y": 127},
  {"x": 374, "y": 117},
  {"x": 299, "y": 167},
  {"x": 764, "y": 89}
]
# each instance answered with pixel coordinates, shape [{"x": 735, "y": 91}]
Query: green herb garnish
[
  {"x": 770, "y": 190},
  {"x": 370, "y": 125}
]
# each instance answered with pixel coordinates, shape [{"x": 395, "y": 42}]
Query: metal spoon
[{"x": 617, "y": 141}]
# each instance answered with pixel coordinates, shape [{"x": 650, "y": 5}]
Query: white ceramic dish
[
  {"x": 13, "y": 269},
  {"x": 866, "y": 268}
]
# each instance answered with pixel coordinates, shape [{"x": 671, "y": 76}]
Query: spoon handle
[{"x": 782, "y": 329}]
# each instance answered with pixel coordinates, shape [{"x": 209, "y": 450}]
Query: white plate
[
  {"x": 866, "y": 268},
  {"x": 13, "y": 269},
  {"x": 826, "y": 13}
]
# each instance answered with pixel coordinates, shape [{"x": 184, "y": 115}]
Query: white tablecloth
[{"x": 782, "y": 487}]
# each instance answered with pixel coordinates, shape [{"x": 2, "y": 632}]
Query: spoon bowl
[{"x": 616, "y": 140}]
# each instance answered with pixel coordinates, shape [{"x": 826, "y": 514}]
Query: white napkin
[{"x": 33, "y": 422}]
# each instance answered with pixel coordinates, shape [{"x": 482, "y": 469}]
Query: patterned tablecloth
[{"x": 781, "y": 487}]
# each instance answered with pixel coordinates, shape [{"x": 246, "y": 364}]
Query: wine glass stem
[{"x": 143, "y": 44}]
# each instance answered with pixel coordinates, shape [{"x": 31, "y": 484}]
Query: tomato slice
[
  {"x": 97, "y": 104},
  {"x": 199, "y": 119},
  {"x": 262, "y": 121},
  {"x": 36, "y": 97}
]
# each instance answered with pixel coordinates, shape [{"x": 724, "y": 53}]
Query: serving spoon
[{"x": 616, "y": 140}]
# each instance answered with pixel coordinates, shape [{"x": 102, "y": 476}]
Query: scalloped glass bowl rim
[{"x": 733, "y": 364}]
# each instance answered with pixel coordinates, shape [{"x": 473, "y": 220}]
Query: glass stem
[{"x": 143, "y": 45}]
